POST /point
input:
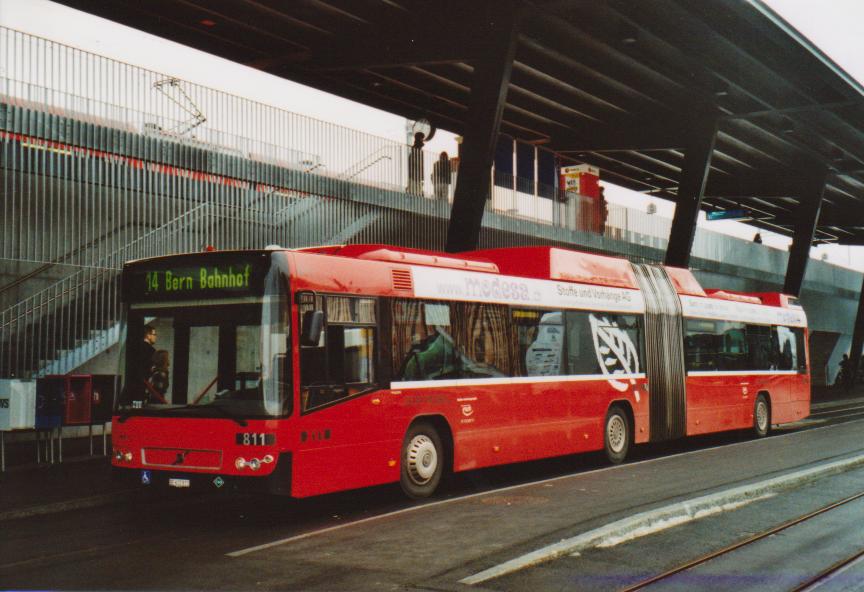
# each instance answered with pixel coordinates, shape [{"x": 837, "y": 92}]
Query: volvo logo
[{"x": 181, "y": 458}]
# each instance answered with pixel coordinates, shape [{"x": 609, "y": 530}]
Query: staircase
[
  {"x": 384, "y": 155},
  {"x": 67, "y": 323},
  {"x": 61, "y": 327}
]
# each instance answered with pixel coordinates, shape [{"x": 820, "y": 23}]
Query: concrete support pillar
[
  {"x": 857, "y": 338},
  {"x": 812, "y": 188},
  {"x": 483, "y": 121},
  {"x": 691, "y": 187}
]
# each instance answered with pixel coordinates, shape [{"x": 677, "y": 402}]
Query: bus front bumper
[{"x": 276, "y": 483}]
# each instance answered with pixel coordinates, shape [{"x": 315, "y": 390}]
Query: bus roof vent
[
  {"x": 552, "y": 263},
  {"x": 402, "y": 281},
  {"x": 735, "y": 296},
  {"x": 416, "y": 257}
]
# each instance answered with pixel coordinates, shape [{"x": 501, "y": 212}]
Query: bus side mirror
[{"x": 312, "y": 325}]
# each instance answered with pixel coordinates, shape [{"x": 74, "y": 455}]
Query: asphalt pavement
[
  {"x": 385, "y": 541},
  {"x": 28, "y": 488}
]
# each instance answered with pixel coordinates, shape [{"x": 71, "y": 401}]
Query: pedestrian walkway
[
  {"x": 81, "y": 480},
  {"x": 835, "y": 394},
  {"x": 29, "y": 488}
]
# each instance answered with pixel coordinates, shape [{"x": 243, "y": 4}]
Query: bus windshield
[{"x": 225, "y": 357}]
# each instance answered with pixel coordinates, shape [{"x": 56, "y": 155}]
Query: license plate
[{"x": 178, "y": 482}]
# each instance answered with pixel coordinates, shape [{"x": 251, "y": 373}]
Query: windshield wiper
[
  {"x": 124, "y": 415},
  {"x": 222, "y": 410},
  {"x": 127, "y": 412}
]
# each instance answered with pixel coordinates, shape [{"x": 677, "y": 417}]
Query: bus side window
[
  {"x": 760, "y": 354},
  {"x": 312, "y": 364},
  {"x": 788, "y": 350},
  {"x": 422, "y": 345},
  {"x": 701, "y": 349},
  {"x": 541, "y": 342},
  {"x": 802, "y": 350},
  {"x": 734, "y": 347},
  {"x": 342, "y": 363},
  {"x": 581, "y": 358},
  {"x": 604, "y": 343},
  {"x": 486, "y": 340},
  {"x": 357, "y": 345}
]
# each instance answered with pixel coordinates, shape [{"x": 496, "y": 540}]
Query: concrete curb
[
  {"x": 677, "y": 512},
  {"x": 835, "y": 403},
  {"x": 65, "y": 506}
]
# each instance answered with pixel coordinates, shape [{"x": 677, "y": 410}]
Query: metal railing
[
  {"x": 65, "y": 315},
  {"x": 90, "y": 201},
  {"x": 100, "y": 166}
]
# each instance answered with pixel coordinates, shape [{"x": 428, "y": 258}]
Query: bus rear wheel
[
  {"x": 422, "y": 461},
  {"x": 616, "y": 435},
  {"x": 761, "y": 417}
]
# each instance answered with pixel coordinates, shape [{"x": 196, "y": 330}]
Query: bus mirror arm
[{"x": 312, "y": 326}]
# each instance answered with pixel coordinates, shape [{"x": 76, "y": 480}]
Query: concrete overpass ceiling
[{"x": 614, "y": 83}]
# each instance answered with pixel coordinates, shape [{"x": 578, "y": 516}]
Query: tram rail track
[
  {"x": 825, "y": 575},
  {"x": 834, "y": 411},
  {"x": 807, "y": 585}
]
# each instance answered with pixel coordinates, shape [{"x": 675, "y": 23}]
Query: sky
[{"x": 832, "y": 25}]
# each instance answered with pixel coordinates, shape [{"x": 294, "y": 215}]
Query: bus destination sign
[
  {"x": 185, "y": 280},
  {"x": 197, "y": 279}
]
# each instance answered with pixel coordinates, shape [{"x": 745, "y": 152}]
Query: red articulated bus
[{"x": 310, "y": 371}]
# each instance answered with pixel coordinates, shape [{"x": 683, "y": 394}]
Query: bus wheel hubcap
[
  {"x": 761, "y": 415},
  {"x": 616, "y": 432},
  {"x": 422, "y": 459}
]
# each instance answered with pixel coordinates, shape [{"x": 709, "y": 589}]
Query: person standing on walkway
[
  {"x": 415, "y": 165},
  {"x": 603, "y": 211},
  {"x": 441, "y": 176},
  {"x": 843, "y": 375},
  {"x": 860, "y": 377}
]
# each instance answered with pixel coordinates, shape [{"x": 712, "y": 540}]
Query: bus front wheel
[
  {"x": 616, "y": 435},
  {"x": 422, "y": 461},
  {"x": 761, "y": 417}
]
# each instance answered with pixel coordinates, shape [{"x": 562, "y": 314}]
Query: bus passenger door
[
  {"x": 737, "y": 392},
  {"x": 345, "y": 438},
  {"x": 718, "y": 391},
  {"x": 792, "y": 379}
]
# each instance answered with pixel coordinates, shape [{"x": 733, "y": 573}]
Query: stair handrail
[
  {"x": 101, "y": 269},
  {"x": 368, "y": 162}
]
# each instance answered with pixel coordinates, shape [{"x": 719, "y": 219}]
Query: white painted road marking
[
  {"x": 688, "y": 509},
  {"x": 306, "y": 535}
]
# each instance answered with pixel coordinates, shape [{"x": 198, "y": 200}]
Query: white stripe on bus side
[
  {"x": 415, "y": 384},
  {"x": 742, "y": 372}
]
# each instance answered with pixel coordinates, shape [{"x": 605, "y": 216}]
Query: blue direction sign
[{"x": 727, "y": 215}]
